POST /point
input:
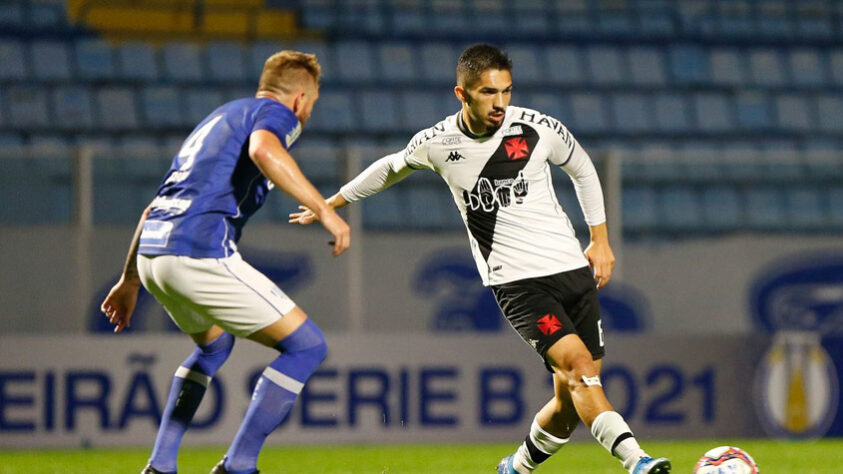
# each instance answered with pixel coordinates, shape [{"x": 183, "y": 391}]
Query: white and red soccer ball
[{"x": 726, "y": 460}]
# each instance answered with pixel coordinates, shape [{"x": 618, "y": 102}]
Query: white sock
[
  {"x": 541, "y": 446},
  {"x": 614, "y": 434}
]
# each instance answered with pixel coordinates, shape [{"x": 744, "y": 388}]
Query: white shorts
[{"x": 201, "y": 292}]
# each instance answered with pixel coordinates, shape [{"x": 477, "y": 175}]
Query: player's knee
[
  {"x": 306, "y": 345},
  {"x": 208, "y": 358},
  {"x": 578, "y": 370}
]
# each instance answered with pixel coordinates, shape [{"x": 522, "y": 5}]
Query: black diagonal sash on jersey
[{"x": 494, "y": 186}]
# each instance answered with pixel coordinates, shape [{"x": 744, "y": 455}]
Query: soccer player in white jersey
[
  {"x": 496, "y": 160},
  {"x": 184, "y": 252}
]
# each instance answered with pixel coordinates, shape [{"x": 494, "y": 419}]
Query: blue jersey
[{"x": 213, "y": 187}]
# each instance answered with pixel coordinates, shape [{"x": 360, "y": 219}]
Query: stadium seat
[
  {"x": 530, "y": 18},
  {"x": 423, "y": 109},
  {"x": 727, "y": 67},
  {"x": 12, "y": 63},
  {"x": 766, "y": 68},
  {"x": 713, "y": 112},
  {"x": 72, "y": 108},
  {"x": 588, "y": 114},
  {"x": 794, "y": 113},
  {"x": 48, "y": 15},
  {"x": 384, "y": 211},
  {"x": 448, "y": 17},
  {"x": 199, "y": 103},
  {"x": 137, "y": 62},
  {"x": 835, "y": 206},
  {"x": 227, "y": 62},
  {"x": 805, "y": 208},
  {"x": 258, "y": 53},
  {"x": 807, "y": 68},
  {"x": 182, "y": 62},
  {"x": 639, "y": 209},
  {"x": 721, "y": 208},
  {"x": 408, "y": 18},
  {"x": 94, "y": 59},
  {"x": 318, "y": 160},
  {"x": 355, "y": 61},
  {"x": 646, "y": 66},
  {"x": 546, "y": 103},
  {"x": 688, "y": 64},
  {"x": 12, "y": 16},
  {"x": 632, "y": 113},
  {"x": 764, "y": 209},
  {"x": 398, "y": 62},
  {"x": 50, "y": 61},
  {"x": 605, "y": 65},
  {"x": 116, "y": 108},
  {"x": 379, "y": 111},
  {"x": 488, "y": 17},
  {"x": 438, "y": 62},
  {"x": 835, "y": 59},
  {"x": 26, "y": 106},
  {"x": 670, "y": 112},
  {"x": 161, "y": 106},
  {"x": 333, "y": 113},
  {"x": 565, "y": 65},
  {"x": 753, "y": 111},
  {"x": 829, "y": 111},
  {"x": 680, "y": 209},
  {"x": 527, "y": 65},
  {"x": 11, "y": 145},
  {"x": 427, "y": 205}
]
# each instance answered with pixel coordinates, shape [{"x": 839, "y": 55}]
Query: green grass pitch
[{"x": 581, "y": 457}]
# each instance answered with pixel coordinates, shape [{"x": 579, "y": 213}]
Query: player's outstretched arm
[
  {"x": 120, "y": 303},
  {"x": 599, "y": 254},
  {"x": 279, "y": 167}
]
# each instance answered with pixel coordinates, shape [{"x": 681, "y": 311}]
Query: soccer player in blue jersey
[{"x": 184, "y": 252}]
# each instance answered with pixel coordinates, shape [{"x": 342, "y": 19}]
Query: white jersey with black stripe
[{"x": 501, "y": 184}]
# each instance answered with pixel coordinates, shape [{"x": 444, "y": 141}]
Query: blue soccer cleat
[
  {"x": 505, "y": 466},
  {"x": 648, "y": 465}
]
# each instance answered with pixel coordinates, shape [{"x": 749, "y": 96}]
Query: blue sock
[
  {"x": 276, "y": 390},
  {"x": 188, "y": 387}
]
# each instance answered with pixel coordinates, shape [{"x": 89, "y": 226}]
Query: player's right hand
[
  {"x": 304, "y": 216},
  {"x": 334, "y": 224},
  {"x": 120, "y": 303}
]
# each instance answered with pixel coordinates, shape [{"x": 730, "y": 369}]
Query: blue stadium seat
[
  {"x": 688, "y": 64},
  {"x": 26, "y": 106},
  {"x": 488, "y": 17},
  {"x": 671, "y": 112},
  {"x": 835, "y": 206},
  {"x": 753, "y": 111},
  {"x": 605, "y": 65},
  {"x": 546, "y": 103},
  {"x": 438, "y": 62},
  {"x": 646, "y": 66},
  {"x": 137, "y": 62},
  {"x": 721, "y": 208},
  {"x": 764, "y": 209},
  {"x": 565, "y": 65},
  {"x": 527, "y": 65},
  {"x": 333, "y": 113},
  {"x": 588, "y": 113},
  {"x": 423, "y": 109},
  {"x": 680, "y": 209},
  {"x": 259, "y": 52},
  {"x": 632, "y": 113},
  {"x": 829, "y": 111},
  {"x": 408, "y": 18},
  {"x": 182, "y": 62},
  {"x": 805, "y": 208},
  {"x": 379, "y": 111},
  {"x": 116, "y": 107},
  {"x": 199, "y": 103},
  {"x": 713, "y": 112},
  {"x": 398, "y": 62},
  {"x": 794, "y": 113},
  {"x": 639, "y": 208},
  {"x": 102, "y": 147},
  {"x": 355, "y": 61},
  {"x": 11, "y": 145},
  {"x": 728, "y": 67},
  {"x": 226, "y": 61},
  {"x": 385, "y": 211},
  {"x": 835, "y": 61},
  {"x": 766, "y": 68},
  {"x": 161, "y": 106},
  {"x": 448, "y": 17},
  {"x": 12, "y": 16},
  {"x": 12, "y": 63},
  {"x": 94, "y": 59},
  {"x": 530, "y": 17},
  {"x": 807, "y": 68},
  {"x": 73, "y": 109},
  {"x": 317, "y": 159},
  {"x": 48, "y": 15},
  {"x": 50, "y": 60},
  {"x": 428, "y": 205}
]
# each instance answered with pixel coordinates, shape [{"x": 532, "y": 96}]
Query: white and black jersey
[{"x": 501, "y": 184}]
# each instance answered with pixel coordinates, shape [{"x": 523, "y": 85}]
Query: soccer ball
[{"x": 726, "y": 460}]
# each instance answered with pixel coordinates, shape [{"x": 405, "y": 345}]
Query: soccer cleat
[
  {"x": 648, "y": 465},
  {"x": 151, "y": 470},
  {"x": 220, "y": 468},
  {"x": 505, "y": 466}
]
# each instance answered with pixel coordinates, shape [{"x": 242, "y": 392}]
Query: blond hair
[{"x": 286, "y": 71}]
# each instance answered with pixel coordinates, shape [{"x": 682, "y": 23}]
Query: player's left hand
[
  {"x": 120, "y": 303},
  {"x": 304, "y": 217},
  {"x": 601, "y": 259}
]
